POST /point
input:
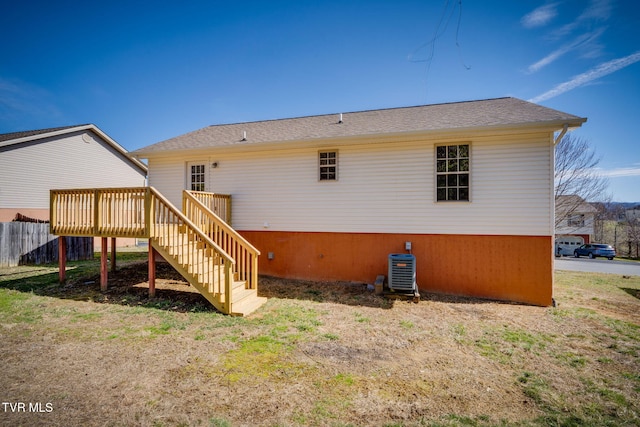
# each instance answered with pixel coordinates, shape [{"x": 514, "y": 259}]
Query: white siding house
[
  {"x": 329, "y": 197},
  {"x": 34, "y": 162},
  {"x": 575, "y": 223}
]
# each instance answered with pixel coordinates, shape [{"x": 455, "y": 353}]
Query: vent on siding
[{"x": 402, "y": 272}]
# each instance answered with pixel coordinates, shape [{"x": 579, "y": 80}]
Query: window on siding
[
  {"x": 452, "y": 172},
  {"x": 328, "y": 165},
  {"x": 197, "y": 177},
  {"x": 576, "y": 220}
]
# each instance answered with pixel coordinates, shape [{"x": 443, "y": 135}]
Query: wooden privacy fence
[{"x": 31, "y": 243}]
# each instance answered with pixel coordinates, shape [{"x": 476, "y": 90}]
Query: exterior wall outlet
[
  {"x": 270, "y": 255},
  {"x": 407, "y": 246}
]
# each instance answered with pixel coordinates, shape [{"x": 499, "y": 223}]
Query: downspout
[{"x": 565, "y": 127}]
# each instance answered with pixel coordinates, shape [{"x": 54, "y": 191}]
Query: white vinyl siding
[
  {"x": 383, "y": 188},
  {"x": 28, "y": 171},
  {"x": 168, "y": 175}
]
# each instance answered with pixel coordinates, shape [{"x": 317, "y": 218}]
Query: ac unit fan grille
[{"x": 402, "y": 272}]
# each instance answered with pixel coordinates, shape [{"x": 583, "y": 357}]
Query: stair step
[
  {"x": 240, "y": 292},
  {"x": 190, "y": 255},
  {"x": 247, "y": 305}
]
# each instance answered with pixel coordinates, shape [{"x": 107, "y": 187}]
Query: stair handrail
[
  {"x": 191, "y": 225},
  {"x": 248, "y": 272}
]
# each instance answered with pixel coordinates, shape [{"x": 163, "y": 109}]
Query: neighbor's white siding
[
  {"x": 28, "y": 171},
  {"x": 382, "y": 188}
]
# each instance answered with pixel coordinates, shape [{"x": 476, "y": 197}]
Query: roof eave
[{"x": 547, "y": 126}]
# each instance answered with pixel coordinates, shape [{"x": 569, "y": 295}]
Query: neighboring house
[
  {"x": 575, "y": 222},
  {"x": 329, "y": 197},
  {"x": 632, "y": 214},
  {"x": 34, "y": 162}
]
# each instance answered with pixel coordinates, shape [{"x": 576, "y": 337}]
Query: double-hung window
[
  {"x": 452, "y": 172},
  {"x": 328, "y": 165}
]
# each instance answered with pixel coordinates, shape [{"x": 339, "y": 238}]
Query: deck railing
[
  {"x": 188, "y": 248},
  {"x": 245, "y": 254},
  {"x": 107, "y": 212},
  {"x": 219, "y": 204},
  {"x": 199, "y": 244}
]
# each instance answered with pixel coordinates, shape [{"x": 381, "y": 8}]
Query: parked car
[{"x": 593, "y": 250}]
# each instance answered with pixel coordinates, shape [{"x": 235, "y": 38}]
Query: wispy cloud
[
  {"x": 576, "y": 43},
  {"x": 620, "y": 172},
  {"x": 540, "y": 17},
  {"x": 587, "y": 77},
  {"x": 20, "y": 100},
  {"x": 597, "y": 10},
  {"x": 587, "y": 41}
]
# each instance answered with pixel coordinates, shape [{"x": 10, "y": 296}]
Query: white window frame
[
  {"x": 202, "y": 183},
  {"x": 326, "y": 163},
  {"x": 455, "y": 170}
]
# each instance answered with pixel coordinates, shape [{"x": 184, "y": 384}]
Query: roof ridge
[{"x": 360, "y": 111}]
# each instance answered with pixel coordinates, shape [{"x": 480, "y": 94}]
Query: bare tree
[
  {"x": 576, "y": 174},
  {"x": 632, "y": 222}
]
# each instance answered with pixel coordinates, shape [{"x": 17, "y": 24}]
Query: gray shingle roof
[
  {"x": 28, "y": 133},
  {"x": 499, "y": 112}
]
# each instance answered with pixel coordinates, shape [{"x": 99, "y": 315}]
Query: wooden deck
[{"x": 197, "y": 242}]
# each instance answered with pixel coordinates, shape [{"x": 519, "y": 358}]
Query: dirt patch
[{"x": 317, "y": 354}]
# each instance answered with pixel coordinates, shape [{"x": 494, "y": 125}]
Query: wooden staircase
[{"x": 202, "y": 247}]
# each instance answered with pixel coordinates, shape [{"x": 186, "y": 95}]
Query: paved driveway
[{"x": 598, "y": 265}]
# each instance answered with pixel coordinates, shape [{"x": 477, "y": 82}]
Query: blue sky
[{"x": 146, "y": 73}]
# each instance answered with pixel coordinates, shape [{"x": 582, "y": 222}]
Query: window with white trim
[
  {"x": 197, "y": 175},
  {"x": 328, "y": 165},
  {"x": 452, "y": 172}
]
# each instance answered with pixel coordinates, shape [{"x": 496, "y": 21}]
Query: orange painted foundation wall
[
  {"x": 509, "y": 268},
  {"x": 8, "y": 214}
]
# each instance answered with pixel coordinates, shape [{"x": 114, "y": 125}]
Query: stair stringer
[{"x": 221, "y": 306}]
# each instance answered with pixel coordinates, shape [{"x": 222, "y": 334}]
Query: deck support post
[
  {"x": 62, "y": 258},
  {"x": 113, "y": 254},
  {"x": 103, "y": 265},
  {"x": 152, "y": 271}
]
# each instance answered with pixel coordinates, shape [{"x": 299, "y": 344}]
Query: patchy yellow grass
[{"x": 316, "y": 354}]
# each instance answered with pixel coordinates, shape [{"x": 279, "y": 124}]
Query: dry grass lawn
[{"x": 323, "y": 354}]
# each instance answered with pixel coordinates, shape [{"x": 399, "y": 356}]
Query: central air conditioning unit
[{"x": 402, "y": 273}]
